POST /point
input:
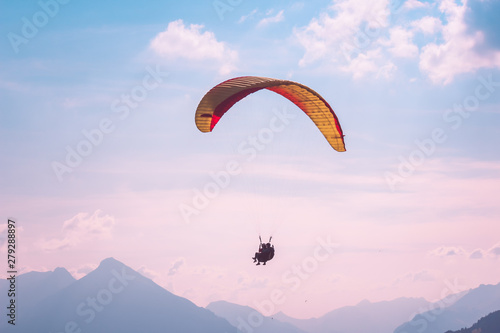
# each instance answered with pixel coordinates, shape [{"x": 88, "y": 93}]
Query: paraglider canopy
[{"x": 223, "y": 96}]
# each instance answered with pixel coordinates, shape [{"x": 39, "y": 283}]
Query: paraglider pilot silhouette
[{"x": 266, "y": 252}]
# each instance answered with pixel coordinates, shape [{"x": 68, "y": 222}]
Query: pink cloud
[
  {"x": 444, "y": 251},
  {"x": 176, "y": 265},
  {"x": 477, "y": 254},
  {"x": 495, "y": 250},
  {"x": 81, "y": 228}
]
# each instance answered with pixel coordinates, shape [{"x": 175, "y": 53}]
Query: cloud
[
  {"x": 460, "y": 52},
  {"x": 400, "y": 43},
  {"x": 445, "y": 251},
  {"x": 346, "y": 35},
  {"x": 370, "y": 62},
  {"x": 271, "y": 19},
  {"x": 477, "y": 254},
  {"x": 85, "y": 269},
  {"x": 351, "y": 32},
  {"x": 340, "y": 29},
  {"x": 421, "y": 276},
  {"x": 494, "y": 251},
  {"x": 175, "y": 266},
  {"x": 195, "y": 45},
  {"x": 246, "y": 282},
  {"x": 81, "y": 271},
  {"x": 246, "y": 17},
  {"x": 143, "y": 270},
  {"x": 427, "y": 25},
  {"x": 81, "y": 228},
  {"x": 363, "y": 64},
  {"x": 413, "y": 4}
]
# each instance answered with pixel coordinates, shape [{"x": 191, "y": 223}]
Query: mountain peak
[
  {"x": 111, "y": 263},
  {"x": 364, "y": 303},
  {"x": 62, "y": 272}
]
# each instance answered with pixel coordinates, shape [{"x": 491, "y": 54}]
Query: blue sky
[{"x": 416, "y": 87}]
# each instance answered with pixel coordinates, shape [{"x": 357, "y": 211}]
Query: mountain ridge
[
  {"x": 464, "y": 312},
  {"x": 247, "y": 319},
  {"x": 487, "y": 324},
  {"x": 365, "y": 316},
  {"x": 115, "y": 298}
]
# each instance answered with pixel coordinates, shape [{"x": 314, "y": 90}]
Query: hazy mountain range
[
  {"x": 487, "y": 324},
  {"x": 247, "y": 320},
  {"x": 115, "y": 298},
  {"x": 464, "y": 312},
  {"x": 112, "y": 298},
  {"x": 365, "y": 317}
]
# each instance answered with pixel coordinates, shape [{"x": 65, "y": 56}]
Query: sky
[{"x": 100, "y": 155}]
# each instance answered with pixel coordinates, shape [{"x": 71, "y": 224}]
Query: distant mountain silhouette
[
  {"x": 249, "y": 320},
  {"x": 115, "y": 298},
  {"x": 463, "y": 313},
  {"x": 487, "y": 324},
  {"x": 33, "y": 287},
  {"x": 365, "y": 317}
]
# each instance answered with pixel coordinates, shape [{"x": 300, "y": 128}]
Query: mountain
[
  {"x": 365, "y": 317},
  {"x": 463, "y": 313},
  {"x": 33, "y": 287},
  {"x": 487, "y": 324},
  {"x": 247, "y": 319},
  {"x": 115, "y": 298}
]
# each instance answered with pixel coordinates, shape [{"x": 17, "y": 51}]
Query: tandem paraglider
[
  {"x": 265, "y": 253},
  {"x": 223, "y": 96}
]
